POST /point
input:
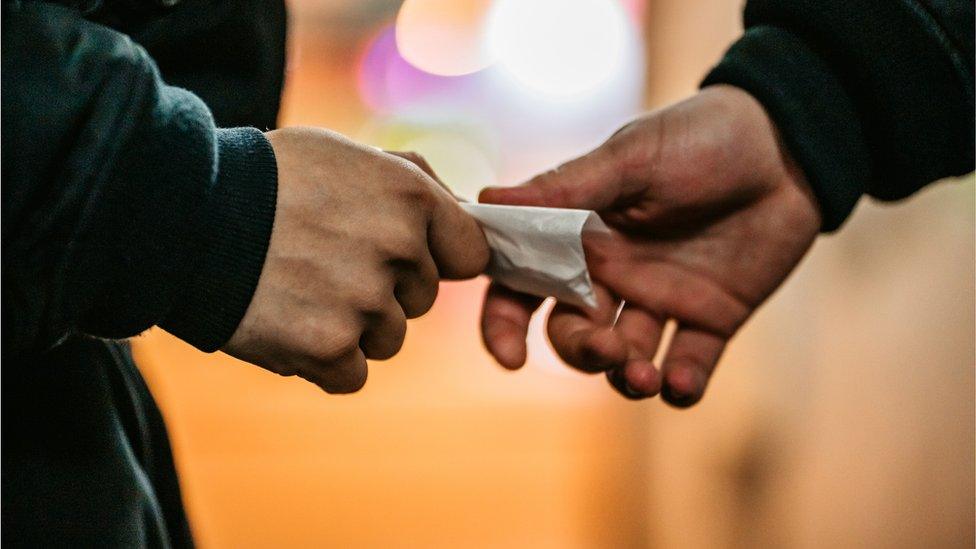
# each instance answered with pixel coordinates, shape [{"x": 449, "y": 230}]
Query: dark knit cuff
[
  {"x": 813, "y": 112},
  {"x": 240, "y": 215}
]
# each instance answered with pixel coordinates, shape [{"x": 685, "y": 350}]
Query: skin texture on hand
[
  {"x": 361, "y": 239},
  {"x": 709, "y": 215}
]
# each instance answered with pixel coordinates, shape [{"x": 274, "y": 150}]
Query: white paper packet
[{"x": 539, "y": 251}]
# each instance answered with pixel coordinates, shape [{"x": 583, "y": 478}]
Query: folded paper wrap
[{"x": 539, "y": 251}]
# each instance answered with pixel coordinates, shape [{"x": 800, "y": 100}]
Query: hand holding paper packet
[
  {"x": 539, "y": 251},
  {"x": 534, "y": 250},
  {"x": 691, "y": 246}
]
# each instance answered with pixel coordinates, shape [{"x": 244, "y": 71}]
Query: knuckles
[
  {"x": 356, "y": 383},
  {"x": 336, "y": 344},
  {"x": 421, "y": 299},
  {"x": 403, "y": 245},
  {"x": 371, "y": 299},
  {"x": 413, "y": 189},
  {"x": 385, "y": 345}
]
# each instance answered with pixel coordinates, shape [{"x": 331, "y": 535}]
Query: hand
[
  {"x": 710, "y": 214},
  {"x": 360, "y": 241}
]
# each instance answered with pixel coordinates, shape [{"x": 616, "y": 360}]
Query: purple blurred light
[{"x": 387, "y": 81}]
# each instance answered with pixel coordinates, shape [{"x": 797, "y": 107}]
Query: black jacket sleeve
[
  {"x": 230, "y": 54},
  {"x": 123, "y": 205},
  {"x": 871, "y": 97}
]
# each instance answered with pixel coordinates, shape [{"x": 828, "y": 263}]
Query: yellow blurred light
[
  {"x": 461, "y": 165},
  {"x": 559, "y": 48},
  {"x": 462, "y": 156},
  {"x": 444, "y": 37}
]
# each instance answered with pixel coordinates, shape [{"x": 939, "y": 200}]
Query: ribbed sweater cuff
[
  {"x": 240, "y": 215},
  {"x": 812, "y": 110}
]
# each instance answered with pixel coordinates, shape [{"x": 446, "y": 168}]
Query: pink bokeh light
[{"x": 388, "y": 82}]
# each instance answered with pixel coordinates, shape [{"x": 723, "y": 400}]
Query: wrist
[
  {"x": 235, "y": 237},
  {"x": 753, "y": 121},
  {"x": 812, "y": 110}
]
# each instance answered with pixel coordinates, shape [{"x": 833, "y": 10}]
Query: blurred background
[{"x": 842, "y": 415}]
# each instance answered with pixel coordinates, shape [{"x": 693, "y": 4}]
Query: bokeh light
[
  {"x": 461, "y": 155},
  {"x": 461, "y": 164},
  {"x": 521, "y": 125},
  {"x": 387, "y": 82},
  {"x": 444, "y": 37},
  {"x": 560, "y": 48}
]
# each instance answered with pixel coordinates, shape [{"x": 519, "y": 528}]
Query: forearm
[{"x": 114, "y": 197}]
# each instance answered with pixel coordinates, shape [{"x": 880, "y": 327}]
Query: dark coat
[{"x": 122, "y": 210}]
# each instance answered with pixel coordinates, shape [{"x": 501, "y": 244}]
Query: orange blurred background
[{"x": 843, "y": 414}]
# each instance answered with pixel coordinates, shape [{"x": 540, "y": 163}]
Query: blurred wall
[{"x": 843, "y": 413}]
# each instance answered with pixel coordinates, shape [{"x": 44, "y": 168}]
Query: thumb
[
  {"x": 592, "y": 182},
  {"x": 456, "y": 241}
]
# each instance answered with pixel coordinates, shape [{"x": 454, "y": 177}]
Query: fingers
[
  {"x": 672, "y": 292},
  {"x": 418, "y": 160},
  {"x": 641, "y": 330},
  {"x": 707, "y": 315},
  {"x": 585, "y": 338},
  {"x": 593, "y": 181},
  {"x": 586, "y": 341},
  {"x": 343, "y": 375},
  {"x": 505, "y": 322},
  {"x": 417, "y": 285},
  {"x": 689, "y": 365},
  {"x": 456, "y": 241},
  {"x": 385, "y": 330}
]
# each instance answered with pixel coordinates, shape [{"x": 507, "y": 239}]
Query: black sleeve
[
  {"x": 872, "y": 97},
  {"x": 123, "y": 205},
  {"x": 230, "y": 54}
]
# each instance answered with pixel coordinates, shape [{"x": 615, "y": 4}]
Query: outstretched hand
[{"x": 710, "y": 214}]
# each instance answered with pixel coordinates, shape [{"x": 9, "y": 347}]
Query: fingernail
[
  {"x": 490, "y": 193},
  {"x": 617, "y": 379},
  {"x": 683, "y": 386},
  {"x": 678, "y": 399}
]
